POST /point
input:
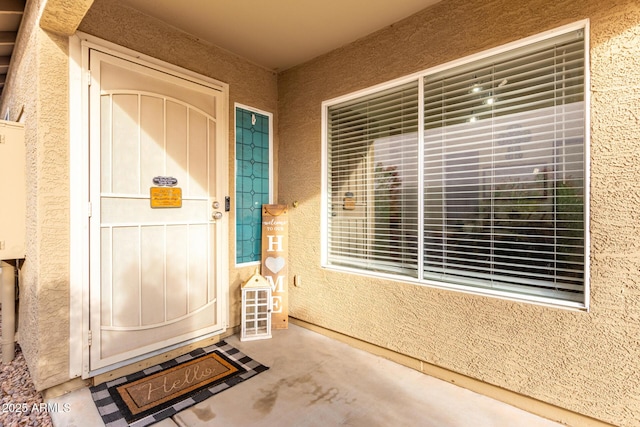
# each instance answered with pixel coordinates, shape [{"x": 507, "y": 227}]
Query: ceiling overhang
[
  {"x": 63, "y": 16},
  {"x": 282, "y": 33},
  {"x": 273, "y": 34}
]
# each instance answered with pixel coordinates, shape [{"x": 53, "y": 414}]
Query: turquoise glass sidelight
[{"x": 252, "y": 181}]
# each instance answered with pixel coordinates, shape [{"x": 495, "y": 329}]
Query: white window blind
[
  {"x": 502, "y": 175},
  {"x": 373, "y": 176},
  {"x": 504, "y": 171}
]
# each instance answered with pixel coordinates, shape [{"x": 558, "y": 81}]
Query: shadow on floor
[{"x": 314, "y": 380}]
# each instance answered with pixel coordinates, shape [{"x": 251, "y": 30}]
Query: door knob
[{"x": 217, "y": 215}]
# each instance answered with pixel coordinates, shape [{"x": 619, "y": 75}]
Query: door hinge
[
  {"x": 88, "y": 77},
  {"x": 89, "y": 209},
  {"x": 90, "y": 338}
]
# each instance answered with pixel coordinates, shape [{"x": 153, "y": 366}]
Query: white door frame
[{"x": 79, "y": 80}]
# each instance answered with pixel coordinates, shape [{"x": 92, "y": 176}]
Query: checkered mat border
[{"x": 113, "y": 417}]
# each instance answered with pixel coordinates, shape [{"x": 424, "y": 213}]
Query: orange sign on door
[{"x": 166, "y": 197}]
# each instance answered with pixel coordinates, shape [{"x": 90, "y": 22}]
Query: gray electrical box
[{"x": 13, "y": 202}]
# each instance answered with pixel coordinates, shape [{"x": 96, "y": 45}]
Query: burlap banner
[{"x": 275, "y": 231}]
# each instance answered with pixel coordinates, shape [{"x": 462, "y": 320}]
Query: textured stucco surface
[
  {"x": 587, "y": 362},
  {"x": 38, "y": 83},
  {"x": 63, "y": 16}
]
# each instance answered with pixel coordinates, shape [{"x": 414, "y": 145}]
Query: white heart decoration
[{"x": 274, "y": 264}]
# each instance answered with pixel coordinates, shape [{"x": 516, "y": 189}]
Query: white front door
[{"x": 157, "y": 267}]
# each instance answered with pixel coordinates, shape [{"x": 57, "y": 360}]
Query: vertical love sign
[{"x": 275, "y": 231}]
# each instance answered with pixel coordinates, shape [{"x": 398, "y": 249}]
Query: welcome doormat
[{"x": 161, "y": 391}]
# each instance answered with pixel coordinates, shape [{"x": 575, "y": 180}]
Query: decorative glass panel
[{"x": 252, "y": 181}]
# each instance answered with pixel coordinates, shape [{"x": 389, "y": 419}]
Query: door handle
[{"x": 217, "y": 215}]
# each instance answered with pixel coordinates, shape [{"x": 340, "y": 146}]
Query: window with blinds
[
  {"x": 373, "y": 181},
  {"x": 470, "y": 177}
]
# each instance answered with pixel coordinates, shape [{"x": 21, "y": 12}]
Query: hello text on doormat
[{"x": 164, "y": 386}]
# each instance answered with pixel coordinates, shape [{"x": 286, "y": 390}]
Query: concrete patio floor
[{"x": 314, "y": 380}]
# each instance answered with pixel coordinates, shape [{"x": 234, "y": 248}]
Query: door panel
[{"x": 155, "y": 273}]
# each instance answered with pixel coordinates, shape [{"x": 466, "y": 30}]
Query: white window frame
[
  {"x": 235, "y": 175},
  {"x": 584, "y": 305}
]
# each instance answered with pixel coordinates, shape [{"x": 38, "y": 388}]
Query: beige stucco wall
[
  {"x": 39, "y": 82},
  {"x": 587, "y": 362},
  {"x": 583, "y": 361},
  {"x": 42, "y": 95}
]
